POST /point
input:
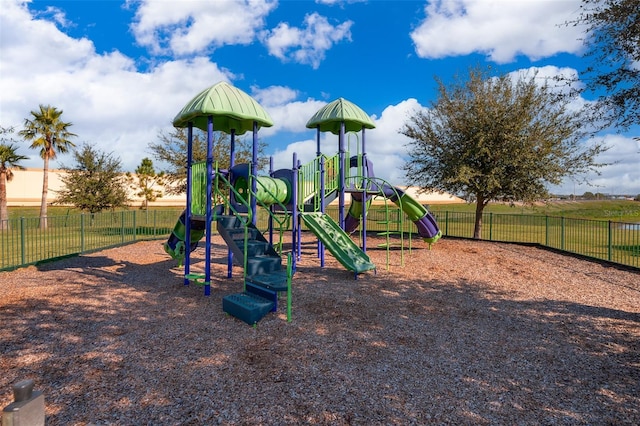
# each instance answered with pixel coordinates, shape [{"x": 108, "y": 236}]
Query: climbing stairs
[{"x": 265, "y": 275}]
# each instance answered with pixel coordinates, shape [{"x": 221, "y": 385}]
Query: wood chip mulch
[{"x": 469, "y": 332}]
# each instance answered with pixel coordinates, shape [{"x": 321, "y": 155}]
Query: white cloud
[
  {"x": 111, "y": 104},
  {"x": 273, "y": 95},
  {"x": 288, "y": 113},
  {"x": 36, "y": 44},
  {"x": 305, "y": 151},
  {"x": 120, "y": 109},
  {"x": 188, "y": 27},
  {"x": 306, "y": 45},
  {"x": 559, "y": 80},
  {"x": 386, "y": 138},
  {"x": 339, "y": 2},
  {"x": 501, "y": 29},
  {"x": 622, "y": 176},
  {"x": 550, "y": 74},
  {"x": 385, "y": 146},
  {"x": 293, "y": 116}
]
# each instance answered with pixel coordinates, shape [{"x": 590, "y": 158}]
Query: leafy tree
[
  {"x": 48, "y": 133},
  {"x": 612, "y": 29},
  {"x": 9, "y": 159},
  {"x": 95, "y": 183},
  {"x": 589, "y": 195},
  {"x": 171, "y": 149},
  {"x": 496, "y": 139},
  {"x": 144, "y": 181}
]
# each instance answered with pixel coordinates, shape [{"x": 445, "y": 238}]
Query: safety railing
[
  {"x": 199, "y": 188},
  {"x": 309, "y": 176},
  {"x": 23, "y": 242},
  {"x": 616, "y": 242},
  {"x": 280, "y": 221}
]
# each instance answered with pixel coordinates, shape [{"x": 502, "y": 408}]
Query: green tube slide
[
  {"x": 416, "y": 212},
  {"x": 411, "y": 207},
  {"x": 268, "y": 190}
]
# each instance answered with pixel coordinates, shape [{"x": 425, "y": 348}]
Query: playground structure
[{"x": 291, "y": 197}]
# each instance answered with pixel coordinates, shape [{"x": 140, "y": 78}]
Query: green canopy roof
[
  {"x": 331, "y": 115},
  {"x": 230, "y": 107}
]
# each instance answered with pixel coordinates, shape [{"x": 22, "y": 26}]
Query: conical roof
[
  {"x": 331, "y": 115},
  {"x": 230, "y": 107}
]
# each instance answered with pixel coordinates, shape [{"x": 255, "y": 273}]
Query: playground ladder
[{"x": 265, "y": 276}]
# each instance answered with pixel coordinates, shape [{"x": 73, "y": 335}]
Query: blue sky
[{"x": 121, "y": 70}]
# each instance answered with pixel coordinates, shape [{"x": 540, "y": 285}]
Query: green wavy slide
[{"x": 339, "y": 244}]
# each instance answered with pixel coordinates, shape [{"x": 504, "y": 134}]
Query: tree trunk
[
  {"x": 45, "y": 189},
  {"x": 4, "y": 213},
  {"x": 477, "y": 228}
]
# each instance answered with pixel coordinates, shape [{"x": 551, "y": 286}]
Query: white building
[{"x": 26, "y": 190}]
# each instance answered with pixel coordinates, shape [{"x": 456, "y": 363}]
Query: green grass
[
  {"x": 18, "y": 212},
  {"x": 615, "y": 210}
]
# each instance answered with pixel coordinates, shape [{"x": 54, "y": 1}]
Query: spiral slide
[
  {"x": 417, "y": 213},
  {"x": 175, "y": 246}
]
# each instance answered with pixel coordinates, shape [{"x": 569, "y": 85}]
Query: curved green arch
[
  {"x": 231, "y": 108},
  {"x": 329, "y": 117}
]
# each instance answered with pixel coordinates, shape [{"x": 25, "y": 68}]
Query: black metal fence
[{"x": 25, "y": 241}]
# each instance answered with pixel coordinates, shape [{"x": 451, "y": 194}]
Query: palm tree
[
  {"x": 9, "y": 159},
  {"x": 50, "y": 134}
]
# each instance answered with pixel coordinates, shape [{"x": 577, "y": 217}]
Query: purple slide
[{"x": 424, "y": 221}]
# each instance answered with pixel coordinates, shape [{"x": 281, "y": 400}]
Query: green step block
[
  {"x": 259, "y": 265},
  {"x": 265, "y": 293},
  {"x": 247, "y": 307},
  {"x": 254, "y": 247},
  {"x": 276, "y": 281}
]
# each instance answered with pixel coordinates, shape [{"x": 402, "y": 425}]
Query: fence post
[
  {"x": 135, "y": 227},
  {"x": 27, "y": 408},
  {"x": 490, "y": 226},
  {"x": 609, "y": 241},
  {"x": 154, "y": 223},
  {"x": 23, "y": 255},
  {"x": 546, "y": 230},
  {"x": 82, "y": 237},
  {"x": 562, "y": 233},
  {"x": 446, "y": 222}
]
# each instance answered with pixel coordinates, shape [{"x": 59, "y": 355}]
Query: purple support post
[
  {"x": 232, "y": 162},
  {"x": 299, "y": 238},
  {"x": 341, "y": 170},
  {"x": 207, "y": 244},
  {"x": 294, "y": 209},
  {"x": 321, "y": 195},
  {"x": 364, "y": 218},
  {"x": 271, "y": 207},
  {"x": 322, "y": 189},
  {"x": 364, "y": 194},
  {"x": 232, "y": 159},
  {"x": 187, "y": 214},
  {"x": 254, "y": 173}
]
